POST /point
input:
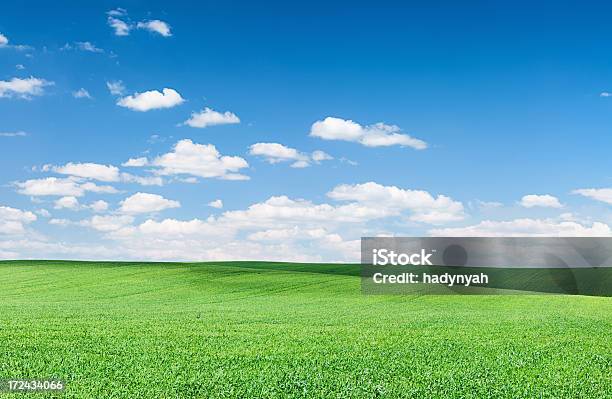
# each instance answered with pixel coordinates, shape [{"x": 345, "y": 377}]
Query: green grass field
[{"x": 273, "y": 330}]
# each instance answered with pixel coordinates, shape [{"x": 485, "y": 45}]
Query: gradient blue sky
[{"x": 510, "y": 100}]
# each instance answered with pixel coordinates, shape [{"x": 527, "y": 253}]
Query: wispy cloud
[
  {"x": 13, "y": 134},
  {"x": 120, "y": 27},
  {"x": 81, "y": 93},
  {"x": 155, "y": 26},
  {"x": 116, "y": 87},
  {"x": 83, "y": 46}
]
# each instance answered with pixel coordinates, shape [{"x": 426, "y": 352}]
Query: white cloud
[
  {"x": 142, "y": 180},
  {"x": 81, "y": 93},
  {"x": 173, "y": 227},
  {"x": 117, "y": 12},
  {"x": 377, "y": 135},
  {"x": 527, "y": 228},
  {"x": 279, "y": 228},
  {"x": 88, "y": 170},
  {"x": 12, "y": 220},
  {"x": 605, "y": 94},
  {"x": 43, "y": 212},
  {"x": 69, "y": 202},
  {"x": 98, "y": 189},
  {"x": 108, "y": 222},
  {"x": 208, "y": 117},
  {"x": 216, "y": 204},
  {"x": 120, "y": 27},
  {"x": 424, "y": 207},
  {"x": 106, "y": 173},
  {"x": 23, "y": 88},
  {"x": 147, "y": 203},
  {"x": 152, "y": 99},
  {"x": 319, "y": 156},
  {"x": 99, "y": 206},
  {"x": 19, "y": 67},
  {"x": 73, "y": 204},
  {"x": 599, "y": 194},
  {"x": 155, "y": 26},
  {"x": 136, "y": 162},
  {"x": 116, "y": 87},
  {"x": 13, "y": 134},
  {"x": 60, "y": 187},
  {"x": 4, "y": 43},
  {"x": 83, "y": 46},
  {"x": 545, "y": 201},
  {"x": 275, "y": 153},
  {"x": 202, "y": 160}
]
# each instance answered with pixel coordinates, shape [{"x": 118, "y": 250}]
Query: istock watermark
[{"x": 486, "y": 265}]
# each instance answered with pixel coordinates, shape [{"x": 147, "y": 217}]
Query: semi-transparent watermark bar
[{"x": 486, "y": 265}]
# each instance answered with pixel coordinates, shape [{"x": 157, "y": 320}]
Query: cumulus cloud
[
  {"x": 146, "y": 203},
  {"x": 279, "y": 228},
  {"x": 218, "y": 204},
  {"x": 275, "y": 153},
  {"x": 13, "y": 221},
  {"x": 81, "y": 93},
  {"x": 423, "y": 206},
  {"x": 544, "y": 201},
  {"x": 108, "y": 223},
  {"x": 377, "y": 135},
  {"x": 89, "y": 170},
  {"x": 155, "y": 26},
  {"x": 98, "y": 206},
  {"x": 23, "y": 88},
  {"x": 201, "y": 160},
  {"x": 116, "y": 87},
  {"x": 53, "y": 186},
  {"x": 69, "y": 202},
  {"x": 142, "y": 180},
  {"x": 598, "y": 194},
  {"x": 136, "y": 162},
  {"x": 105, "y": 173},
  {"x": 527, "y": 228},
  {"x": 72, "y": 203},
  {"x": 152, "y": 99},
  {"x": 208, "y": 117},
  {"x": 3, "y": 40}
]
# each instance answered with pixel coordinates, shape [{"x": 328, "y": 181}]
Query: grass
[{"x": 274, "y": 330}]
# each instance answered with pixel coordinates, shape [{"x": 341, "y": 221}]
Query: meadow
[{"x": 280, "y": 330}]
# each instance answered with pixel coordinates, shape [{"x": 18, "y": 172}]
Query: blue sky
[{"x": 440, "y": 119}]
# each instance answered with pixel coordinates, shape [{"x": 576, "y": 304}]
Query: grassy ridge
[{"x": 239, "y": 330}]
